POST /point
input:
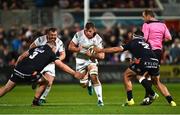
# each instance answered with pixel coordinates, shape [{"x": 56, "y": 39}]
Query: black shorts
[
  {"x": 19, "y": 77},
  {"x": 158, "y": 54},
  {"x": 151, "y": 66}
]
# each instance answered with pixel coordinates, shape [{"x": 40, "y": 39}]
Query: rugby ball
[{"x": 91, "y": 49}]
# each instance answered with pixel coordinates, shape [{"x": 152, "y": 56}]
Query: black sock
[
  {"x": 36, "y": 99},
  {"x": 146, "y": 84},
  {"x": 129, "y": 95},
  {"x": 169, "y": 99},
  {"x": 147, "y": 93}
]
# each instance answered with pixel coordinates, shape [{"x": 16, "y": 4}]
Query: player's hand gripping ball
[{"x": 91, "y": 50}]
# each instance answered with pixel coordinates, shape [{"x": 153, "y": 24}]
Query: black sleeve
[
  {"x": 53, "y": 57},
  {"x": 127, "y": 46},
  {"x": 31, "y": 50}
]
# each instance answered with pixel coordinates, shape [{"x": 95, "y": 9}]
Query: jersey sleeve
[
  {"x": 31, "y": 50},
  {"x": 40, "y": 41},
  {"x": 75, "y": 38},
  {"x": 167, "y": 34},
  {"x": 61, "y": 46},
  {"x": 99, "y": 41},
  {"x": 53, "y": 57},
  {"x": 126, "y": 46}
]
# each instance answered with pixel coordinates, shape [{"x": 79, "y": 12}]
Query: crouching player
[
  {"x": 145, "y": 62},
  {"x": 30, "y": 64}
]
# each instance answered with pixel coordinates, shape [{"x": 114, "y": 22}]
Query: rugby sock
[
  {"x": 98, "y": 90},
  {"x": 45, "y": 93},
  {"x": 169, "y": 99},
  {"x": 147, "y": 93},
  {"x": 89, "y": 83},
  {"x": 146, "y": 84},
  {"x": 35, "y": 101},
  {"x": 129, "y": 95}
]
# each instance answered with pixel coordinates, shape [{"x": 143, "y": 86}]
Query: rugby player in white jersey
[
  {"x": 86, "y": 61},
  {"x": 49, "y": 70}
]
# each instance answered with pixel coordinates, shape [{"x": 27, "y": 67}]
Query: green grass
[{"x": 72, "y": 99}]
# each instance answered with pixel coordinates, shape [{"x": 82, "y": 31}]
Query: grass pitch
[{"x": 72, "y": 99}]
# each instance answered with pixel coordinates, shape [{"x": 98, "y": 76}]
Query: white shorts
[
  {"x": 50, "y": 69},
  {"x": 81, "y": 64}
]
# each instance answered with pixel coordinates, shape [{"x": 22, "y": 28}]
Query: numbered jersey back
[
  {"x": 139, "y": 49},
  {"x": 38, "y": 58}
]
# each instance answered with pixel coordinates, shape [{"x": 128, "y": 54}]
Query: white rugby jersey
[
  {"x": 81, "y": 39},
  {"x": 42, "y": 40}
]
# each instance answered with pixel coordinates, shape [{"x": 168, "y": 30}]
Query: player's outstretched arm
[
  {"x": 95, "y": 55},
  {"x": 108, "y": 50},
  {"x": 67, "y": 69},
  {"x": 33, "y": 45},
  {"x": 22, "y": 56}
]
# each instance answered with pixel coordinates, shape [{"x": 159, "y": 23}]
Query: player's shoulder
[
  {"x": 98, "y": 37},
  {"x": 58, "y": 40},
  {"x": 42, "y": 37},
  {"x": 79, "y": 33},
  {"x": 41, "y": 40}
]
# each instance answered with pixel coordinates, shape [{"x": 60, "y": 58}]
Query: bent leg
[
  {"x": 47, "y": 89},
  {"x": 128, "y": 74},
  {"x": 163, "y": 89},
  {"x": 8, "y": 87},
  {"x": 93, "y": 72}
]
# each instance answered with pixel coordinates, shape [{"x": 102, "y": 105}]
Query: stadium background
[{"x": 21, "y": 21}]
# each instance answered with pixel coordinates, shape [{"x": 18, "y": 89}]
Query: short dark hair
[
  {"x": 89, "y": 25},
  {"x": 149, "y": 12},
  {"x": 51, "y": 30},
  {"x": 139, "y": 32}
]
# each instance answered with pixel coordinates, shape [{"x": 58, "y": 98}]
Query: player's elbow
[
  {"x": 168, "y": 38},
  {"x": 70, "y": 48},
  {"x": 101, "y": 56}
]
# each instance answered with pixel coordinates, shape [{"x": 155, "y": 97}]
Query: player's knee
[
  {"x": 84, "y": 82},
  {"x": 93, "y": 72},
  {"x": 49, "y": 83}
]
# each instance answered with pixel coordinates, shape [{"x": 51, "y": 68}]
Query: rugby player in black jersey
[
  {"x": 30, "y": 64},
  {"x": 146, "y": 62}
]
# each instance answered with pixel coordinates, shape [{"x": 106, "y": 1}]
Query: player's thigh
[
  {"x": 9, "y": 85},
  {"x": 49, "y": 69},
  {"x": 129, "y": 73},
  {"x": 48, "y": 77},
  {"x": 93, "y": 69},
  {"x": 81, "y": 66}
]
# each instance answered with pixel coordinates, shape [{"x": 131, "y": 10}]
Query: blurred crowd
[
  {"x": 76, "y": 4},
  {"x": 12, "y": 4},
  {"x": 16, "y": 40},
  {"x": 99, "y": 4}
]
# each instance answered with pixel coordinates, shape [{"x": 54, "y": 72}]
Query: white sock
[
  {"x": 45, "y": 93},
  {"x": 89, "y": 83},
  {"x": 98, "y": 90}
]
